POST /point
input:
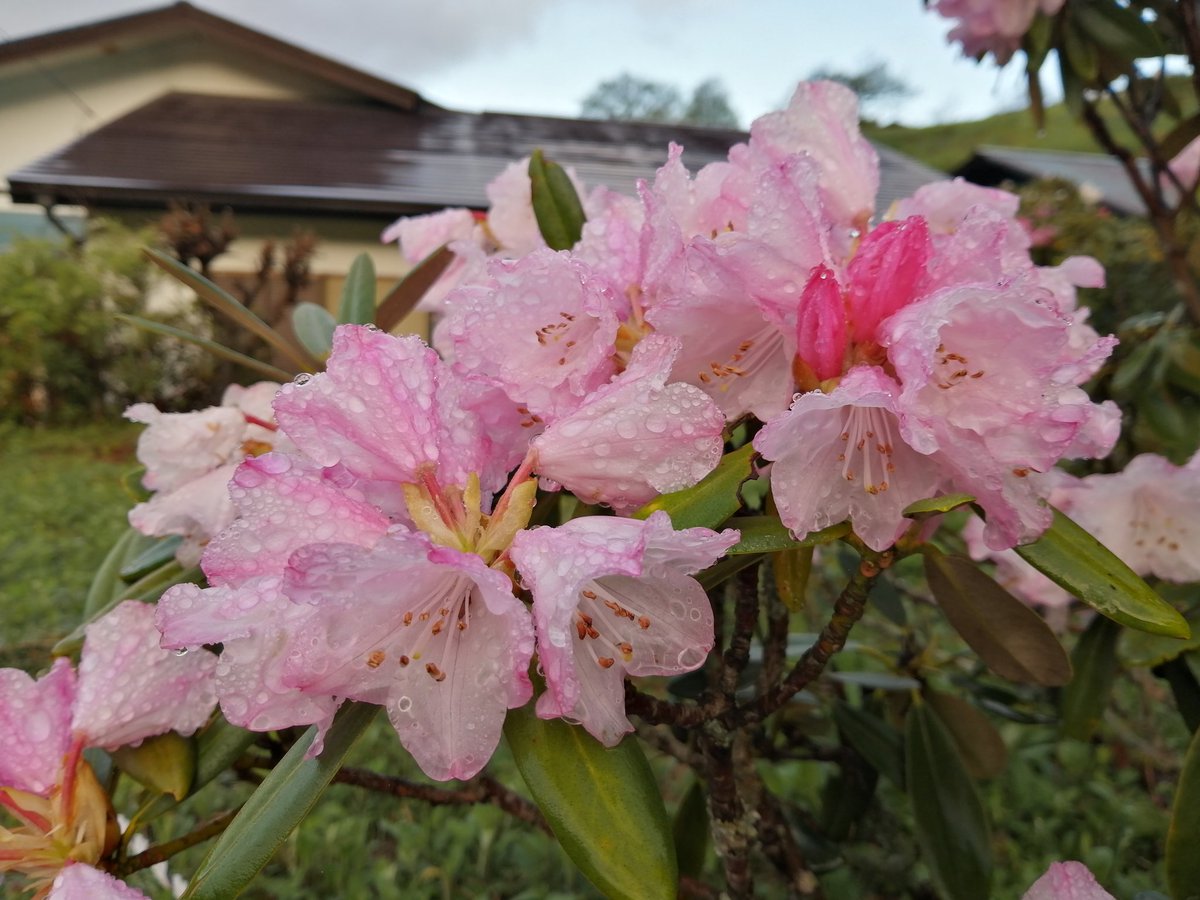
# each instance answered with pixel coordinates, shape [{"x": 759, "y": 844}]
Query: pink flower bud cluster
[{"x": 993, "y": 26}]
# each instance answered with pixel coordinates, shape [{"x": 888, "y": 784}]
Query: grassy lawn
[{"x": 63, "y": 506}]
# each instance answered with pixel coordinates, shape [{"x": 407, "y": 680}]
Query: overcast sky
[{"x": 543, "y": 56}]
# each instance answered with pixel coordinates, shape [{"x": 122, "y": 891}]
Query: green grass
[
  {"x": 63, "y": 506},
  {"x": 948, "y": 146}
]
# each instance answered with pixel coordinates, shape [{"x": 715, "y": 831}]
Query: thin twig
[
  {"x": 164, "y": 851},
  {"x": 483, "y": 790}
]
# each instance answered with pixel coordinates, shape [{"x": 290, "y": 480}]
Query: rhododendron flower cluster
[
  {"x": 189, "y": 459},
  {"x": 125, "y": 690},
  {"x": 993, "y": 26}
]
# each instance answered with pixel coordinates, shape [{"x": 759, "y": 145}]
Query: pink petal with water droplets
[
  {"x": 614, "y": 597},
  {"x": 427, "y": 631},
  {"x": 543, "y": 328},
  {"x": 198, "y": 511},
  {"x": 635, "y": 437},
  {"x": 1067, "y": 881},
  {"x": 81, "y": 882},
  {"x": 373, "y": 410},
  {"x": 131, "y": 689},
  {"x": 253, "y": 621},
  {"x": 35, "y": 732},
  {"x": 841, "y": 456},
  {"x": 821, "y": 120},
  {"x": 285, "y": 502},
  {"x": 178, "y": 447}
]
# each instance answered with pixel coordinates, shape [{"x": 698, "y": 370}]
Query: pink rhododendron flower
[
  {"x": 993, "y": 26},
  {"x": 35, "y": 726},
  {"x": 1067, "y": 881},
  {"x": 842, "y": 455},
  {"x": 1185, "y": 165},
  {"x": 635, "y": 437},
  {"x": 613, "y": 597},
  {"x": 189, "y": 459},
  {"x": 1148, "y": 514},
  {"x": 82, "y": 882}
]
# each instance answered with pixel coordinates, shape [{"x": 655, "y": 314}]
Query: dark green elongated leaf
[
  {"x": 1009, "y": 637},
  {"x": 1079, "y": 563},
  {"x": 1184, "y": 688},
  {"x": 1117, "y": 29},
  {"x": 712, "y": 500},
  {"x": 690, "y": 831},
  {"x": 1072, "y": 87},
  {"x": 1183, "y": 368},
  {"x": 229, "y": 306},
  {"x": 1183, "y": 834},
  {"x": 724, "y": 569},
  {"x": 358, "y": 293},
  {"x": 951, "y": 823},
  {"x": 556, "y": 203},
  {"x": 791, "y": 569},
  {"x": 983, "y": 750},
  {"x": 846, "y": 798},
  {"x": 404, "y": 297},
  {"x": 1140, "y": 650},
  {"x": 273, "y": 372},
  {"x": 603, "y": 805},
  {"x": 1094, "y": 660},
  {"x": 875, "y": 740},
  {"x": 107, "y": 581},
  {"x": 1179, "y": 136},
  {"x": 885, "y": 598},
  {"x": 278, "y": 805},
  {"x": 218, "y": 746},
  {"x": 935, "y": 506},
  {"x": 1132, "y": 376},
  {"x": 159, "y": 552},
  {"x": 314, "y": 326},
  {"x": 766, "y": 534},
  {"x": 165, "y": 763},
  {"x": 1081, "y": 51}
]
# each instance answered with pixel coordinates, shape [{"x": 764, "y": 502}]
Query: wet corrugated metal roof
[
  {"x": 1096, "y": 172},
  {"x": 257, "y": 154}
]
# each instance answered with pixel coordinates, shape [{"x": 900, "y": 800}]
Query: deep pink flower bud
[
  {"x": 885, "y": 273},
  {"x": 821, "y": 324}
]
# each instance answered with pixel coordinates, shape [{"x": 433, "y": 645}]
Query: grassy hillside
[{"x": 947, "y": 147}]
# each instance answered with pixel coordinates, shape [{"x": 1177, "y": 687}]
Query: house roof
[
  {"x": 133, "y": 30},
  {"x": 257, "y": 154},
  {"x": 1097, "y": 172}
]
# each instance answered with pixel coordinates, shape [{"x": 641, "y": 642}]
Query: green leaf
[
  {"x": 165, "y": 763},
  {"x": 159, "y": 552},
  {"x": 766, "y": 534},
  {"x": 1079, "y": 563},
  {"x": 1183, "y": 834},
  {"x": 934, "y": 506},
  {"x": 1184, "y": 688},
  {"x": 229, "y": 306},
  {"x": 690, "y": 831},
  {"x": 278, "y": 805},
  {"x": 273, "y": 372},
  {"x": 1080, "y": 50},
  {"x": 314, "y": 326},
  {"x": 1094, "y": 660},
  {"x": 1183, "y": 362},
  {"x": 876, "y": 741},
  {"x": 951, "y": 824},
  {"x": 791, "y": 569},
  {"x": 556, "y": 205},
  {"x": 106, "y": 582},
  {"x": 404, "y": 297},
  {"x": 1072, "y": 87},
  {"x": 712, "y": 500},
  {"x": 1117, "y": 29},
  {"x": 1009, "y": 637},
  {"x": 724, "y": 569},
  {"x": 358, "y": 293},
  {"x": 603, "y": 805},
  {"x": 876, "y": 681},
  {"x": 980, "y": 744}
]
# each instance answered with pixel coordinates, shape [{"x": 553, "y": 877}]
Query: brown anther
[
  {"x": 592, "y": 633},
  {"x": 591, "y": 595},
  {"x": 408, "y": 617},
  {"x": 605, "y": 662},
  {"x": 626, "y": 649},
  {"x": 978, "y": 374},
  {"x": 403, "y": 660},
  {"x": 424, "y": 617},
  {"x": 643, "y": 622},
  {"x": 1020, "y": 472},
  {"x": 434, "y": 672},
  {"x": 437, "y": 627},
  {"x": 462, "y": 625},
  {"x": 704, "y": 377},
  {"x": 375, "y": 659}
]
